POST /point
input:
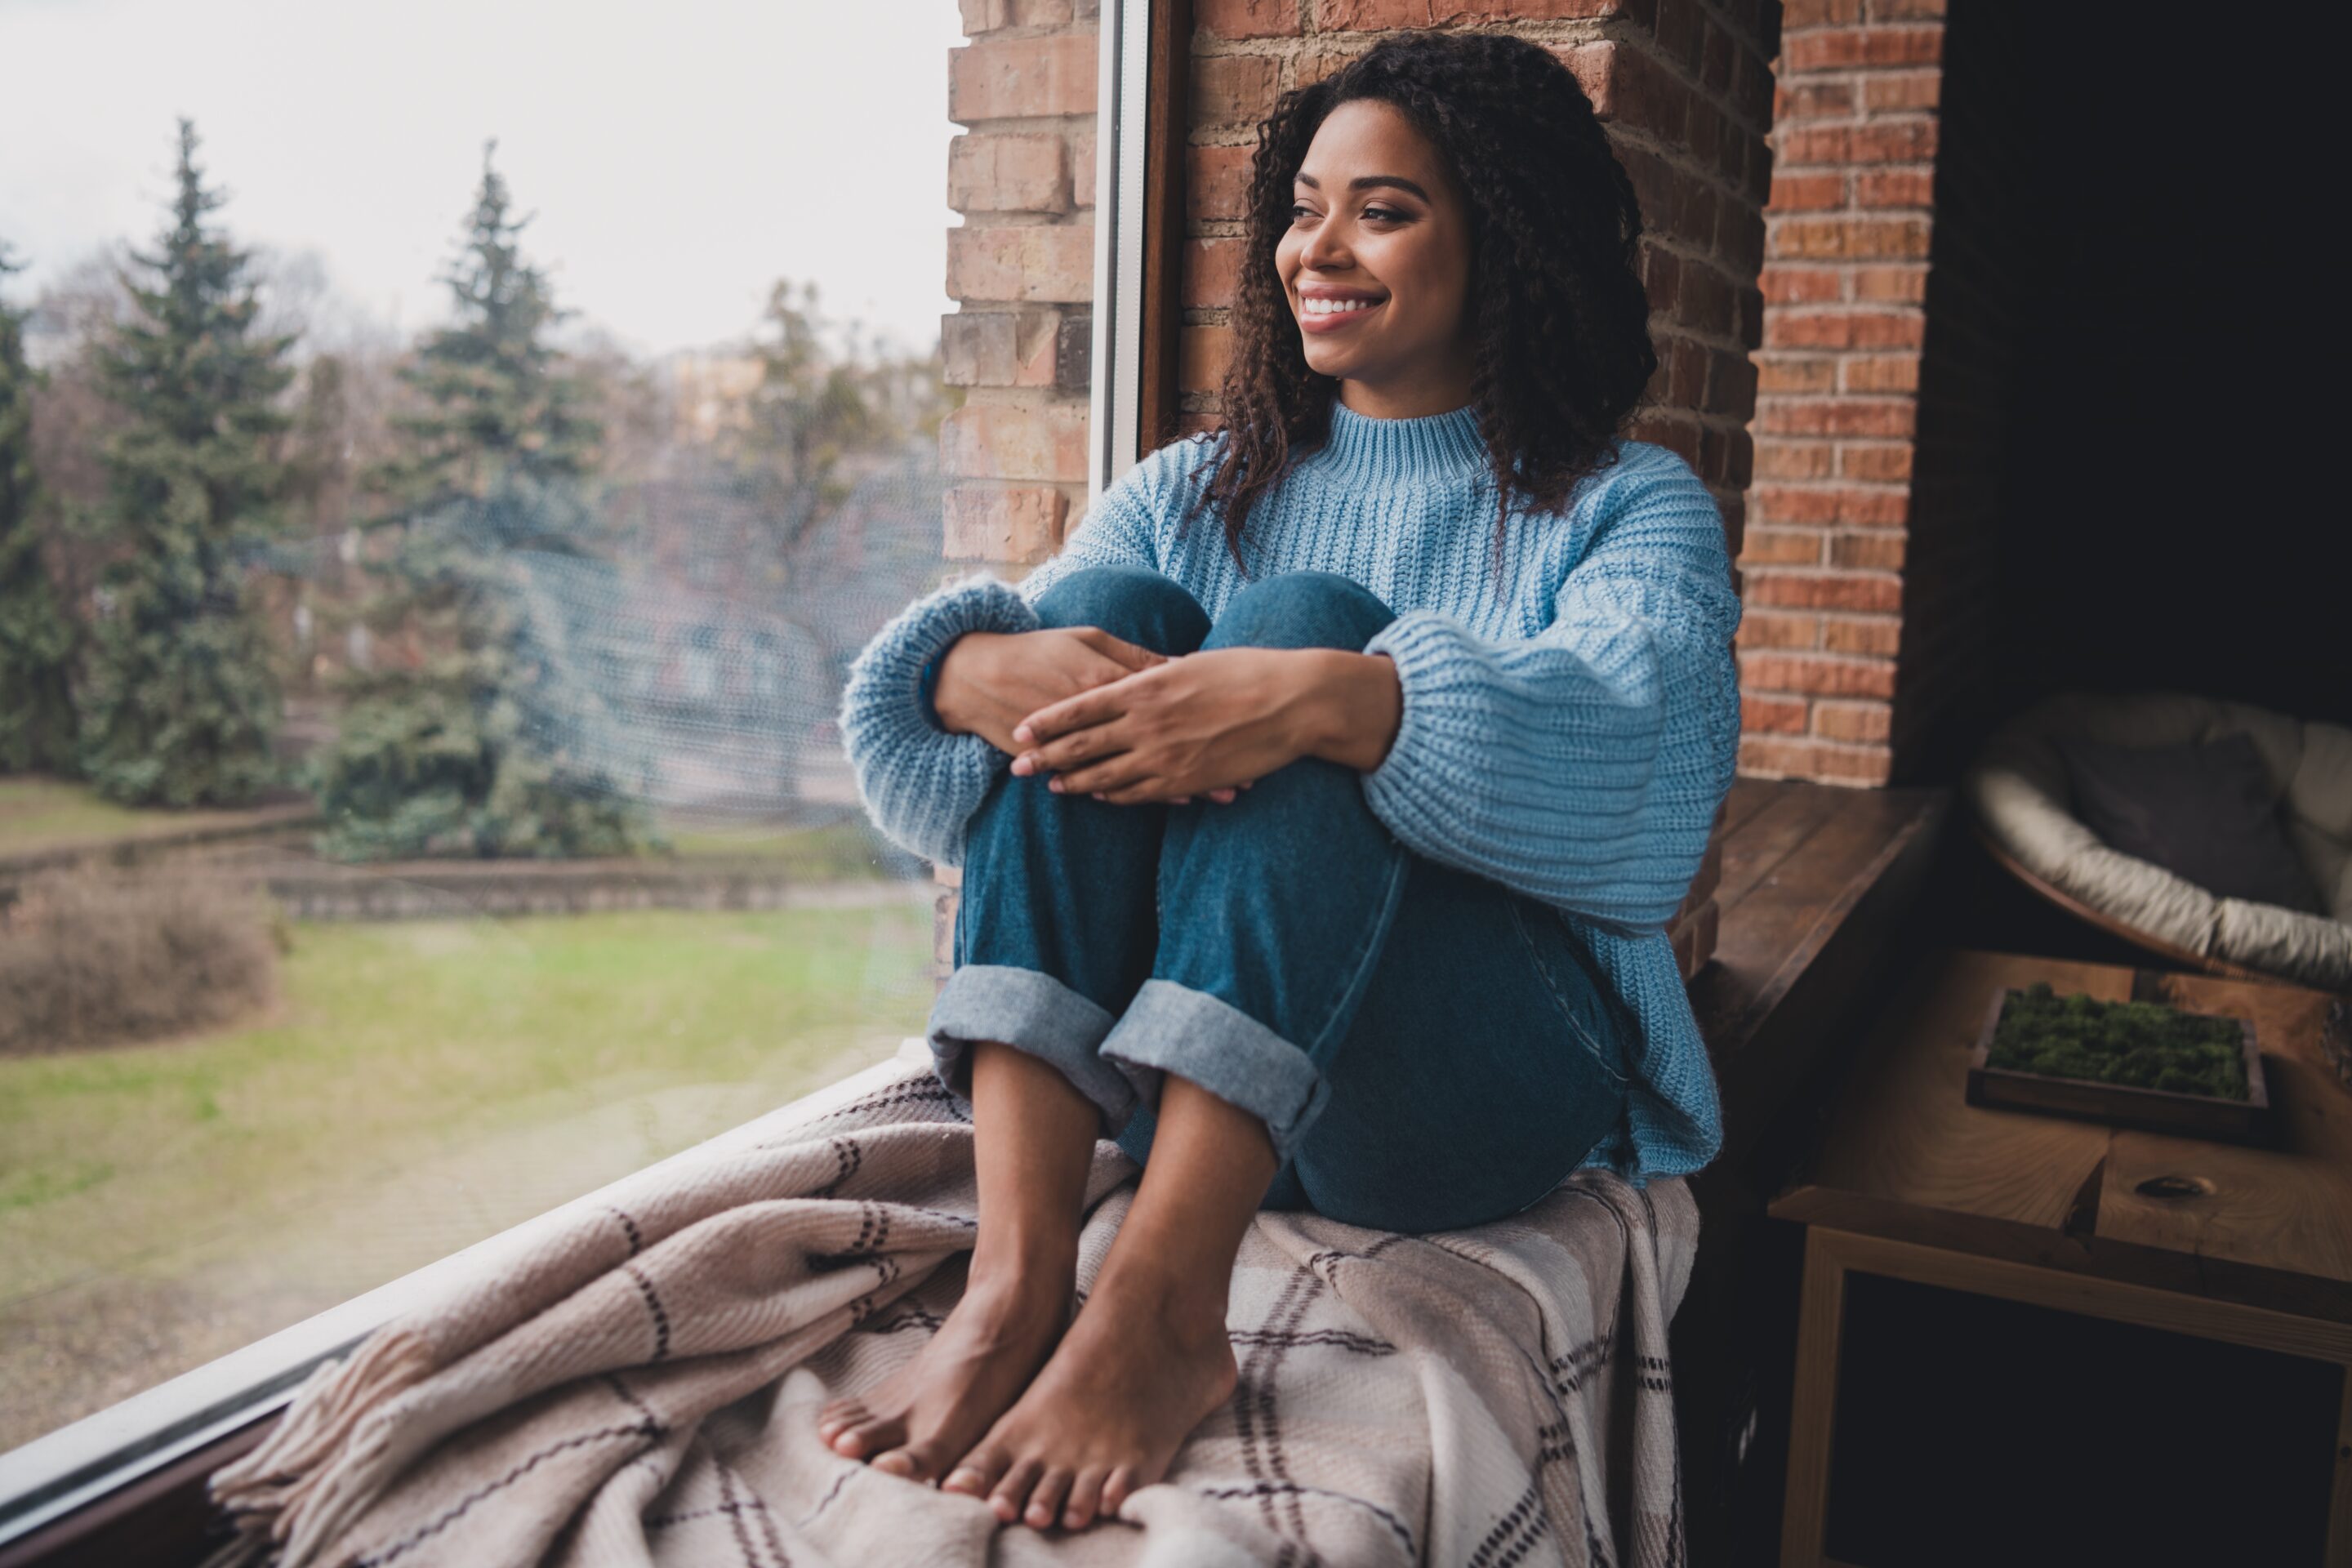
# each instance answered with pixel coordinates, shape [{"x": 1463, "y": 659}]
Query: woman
[{"x": 1321, "y": 804}]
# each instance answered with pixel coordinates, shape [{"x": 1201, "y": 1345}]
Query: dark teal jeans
[{"x": 1427, "y": 1049}]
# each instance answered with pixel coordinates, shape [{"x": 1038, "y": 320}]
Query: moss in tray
[{"x": 2140, "y": 1045}]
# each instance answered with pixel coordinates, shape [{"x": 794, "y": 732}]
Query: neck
[{"x": 1440, "y": 390}]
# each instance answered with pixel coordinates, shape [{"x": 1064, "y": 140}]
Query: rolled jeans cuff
[
  {"x": 1033, "y": 1013},
  {"x": 1199, "y": 1037}
]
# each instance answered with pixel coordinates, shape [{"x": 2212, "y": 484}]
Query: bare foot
[
  {"x": 925, "y": 1415},
  {"x": 1141, "y": 1367}
]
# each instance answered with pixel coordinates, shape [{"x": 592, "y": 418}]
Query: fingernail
[
  {"x": 1054, "y": 783},
  {"x": 1023, "y": 767},
  {"x": 1020, "y": 734},
  {"x": 1099, "y": 794}
]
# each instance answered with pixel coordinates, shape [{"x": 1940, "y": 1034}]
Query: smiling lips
[{"x": 1326, "y": 313}]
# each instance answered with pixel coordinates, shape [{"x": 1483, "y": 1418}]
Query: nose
[{"x": 1324, "y": 251}]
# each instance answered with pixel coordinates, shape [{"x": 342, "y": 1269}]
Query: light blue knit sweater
[{"x": 1571, "y": 707}]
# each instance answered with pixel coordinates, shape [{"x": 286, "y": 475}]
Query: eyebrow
[{"x": 1368, "y": 181}]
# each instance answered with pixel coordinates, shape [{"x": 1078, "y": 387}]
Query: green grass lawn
[
  {"x": 40, "y": 814},
  {"x": 395, "y": 1046}
]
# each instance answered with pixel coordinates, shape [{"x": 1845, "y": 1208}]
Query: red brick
[
  {"x": 1880, "y": 373},
  {"x": 1247, "y": 18},
  {"x": 1868, "y": 551},
  {"x": 1903, "y": 91},
  {"x": 1729, "y": 456},
  {"x": 1041, "y": 264},
  {"x": 1824, "y": 591},
  {"x": 1890, "y": 285},
  {"x": 1794, "y": 459},
  {"x": 1815, "y": 675},
  {"x": 1008, "y": 173},
  {"x": 1661, "y": 278},
  {"x": 1837, "y": 416},
  {"x": 1798, "y": 14},
  {"x": 1730, "y": 383},
  {"x": 1082, "y": 165},
  {"x": 1798, "y": 100},
  {"x": 1770, "y": 756},
  {"x": 1773, "y": 715},
  {"x": 1202, "y": 355},
  {"x": 1906, "y": 10},
  {"x": 1013, "y": 523},
  {"x": 1660, "y": 428},
  {"x": 1842, "y": 48},
  {"x": 1313, "y": 65},
  {"x": 1844, "y": 329},
  {"x": 1802, "y": 285},
  {"x": 1807, "y": 193},
  {"x": 1387, "y": 16},
  {"x": 1889, "y": 463},
  {"x": 1874, "y": 507},
  {"x": 1823, "y": 239},
  {"x": 1894, "y": 141},
  {"x": 1216, "y": 182},
  {"x": 1043, "y": 441},
  {"x": 998, "y": 348},
  {"x": 1233, "y": 90},
  {"x": 1895, "y": 188},
  {"x": 1779, "y": 629},
  {"x": 1779, "y": 546},
  {"x": 1212, "y": 272},
  {"x": 1784, "y": 506},
  {"x": 1782, "y": 376},
  {"x": 999, "y": 79},
  {"x": 1853, "y": 721},
  {"x": 1878, "y": 635},
  {"x": 1684, "y": 364}
]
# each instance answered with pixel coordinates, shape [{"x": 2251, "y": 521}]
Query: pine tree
[
  {"x": 448, "y": 748},
  {"x": 182, "y": 700},
  {"x": 37, "y": 640}
]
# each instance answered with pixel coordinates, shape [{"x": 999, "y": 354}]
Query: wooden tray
[{"x": 2243, "y": 1121}]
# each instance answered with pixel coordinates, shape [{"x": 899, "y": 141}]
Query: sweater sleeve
[
  {"x": 920, "y": 783},
  {"x": 1581, "y": 766}
]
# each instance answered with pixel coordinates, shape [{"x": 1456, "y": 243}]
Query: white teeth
[{"x": 1336, "y": 307}]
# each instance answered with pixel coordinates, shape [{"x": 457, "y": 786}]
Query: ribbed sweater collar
[{"x": 1364, "y": 450}]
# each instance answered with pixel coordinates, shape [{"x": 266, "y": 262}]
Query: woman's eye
[
  {"x": 1382, "y": 214},
  {"x": 1300, "y": 212}
]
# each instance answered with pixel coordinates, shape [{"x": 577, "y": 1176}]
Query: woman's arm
[
  {"x": 921, "y": 781},
  {"x": 1582, "y": 766}
]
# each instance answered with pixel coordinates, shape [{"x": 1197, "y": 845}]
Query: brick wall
[
  {"x": 1885, "y": 363},
  {"x": 1021, "y": 271},
  {"x": 1686, "y": 90}
]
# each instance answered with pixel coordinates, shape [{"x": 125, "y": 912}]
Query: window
[{"x": 578, "y": 409}]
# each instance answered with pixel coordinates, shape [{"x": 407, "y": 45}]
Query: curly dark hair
[{"x": 1561, "y": 321}]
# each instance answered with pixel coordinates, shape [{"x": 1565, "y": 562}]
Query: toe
[
  {"x": 916, "y": 1461},
  {"x": 1012, "y": 1493},
  {"x": 1085, "y": 1496},
  {"x": 868, "y": 1437},
  {"x": 1044, "y": 1509},
  {"x": 838, "y": 1418},
  {"x": 975, "y": 1473},
  {"x": 1115, "y": 1488}
]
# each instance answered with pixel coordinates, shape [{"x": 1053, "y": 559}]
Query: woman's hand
[
  {"x": 990, "y": 681},
  {"x": 1211, "y": 722}
]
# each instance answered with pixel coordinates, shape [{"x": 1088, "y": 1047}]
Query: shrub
[{"x": 90, "y": 959}]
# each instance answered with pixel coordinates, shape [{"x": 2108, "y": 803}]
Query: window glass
[{"x": 449, "y": 454}]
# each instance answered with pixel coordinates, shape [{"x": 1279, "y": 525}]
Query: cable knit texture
[{"x": 1571, "y": 705}]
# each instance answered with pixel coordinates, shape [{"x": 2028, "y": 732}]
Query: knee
[
  {"x": 1302, "y": 609},
  {"x": 1129, "y": 602}
]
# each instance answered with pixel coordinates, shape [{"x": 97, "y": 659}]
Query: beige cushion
[{"x": 2020, "y": 791}]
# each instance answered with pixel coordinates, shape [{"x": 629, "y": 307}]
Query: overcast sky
[{"x": 680, "y": 155}]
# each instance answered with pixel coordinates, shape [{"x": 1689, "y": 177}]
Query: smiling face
[{"x": 1376, "y": 264}]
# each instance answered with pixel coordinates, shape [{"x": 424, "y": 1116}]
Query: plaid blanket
[{"x": 634, "y": 1380}]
